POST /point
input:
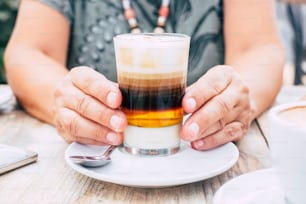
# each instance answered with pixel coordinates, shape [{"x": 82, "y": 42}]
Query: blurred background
[
  {"x": 291, "y": 18},
  {"x": 8, "y": 11}
]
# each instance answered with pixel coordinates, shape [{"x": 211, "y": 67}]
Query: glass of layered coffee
[{"x": 152, "y": 73}]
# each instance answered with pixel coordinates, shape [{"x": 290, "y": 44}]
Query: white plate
[
  {"x": 260, "y": 186},
  {"x": 184, "y": 167}
]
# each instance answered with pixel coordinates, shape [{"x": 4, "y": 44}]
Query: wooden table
[{"x": 51, "y": 180}]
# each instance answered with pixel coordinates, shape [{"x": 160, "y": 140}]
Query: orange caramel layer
[{"x": 154, "y": 119}]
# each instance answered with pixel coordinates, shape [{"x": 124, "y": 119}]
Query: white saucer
[
  {"x": 260, "y": 186},
  {"x": 184, "y": 167}
]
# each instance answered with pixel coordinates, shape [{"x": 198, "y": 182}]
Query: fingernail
[
  {"x": 111, "y": 98},
  {"x": 115, "y": 122},
  {"x": 191, "y": 103},
  {"x": 198, "y": 144},
  {"x": 111, "y": 137},
  {"x": 193, "y": 130}
]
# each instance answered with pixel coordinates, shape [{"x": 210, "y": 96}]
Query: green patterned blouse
[{"x": 94, "y": 23}]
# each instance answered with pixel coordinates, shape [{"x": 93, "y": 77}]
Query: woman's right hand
[{"x": 86, "y": 108}]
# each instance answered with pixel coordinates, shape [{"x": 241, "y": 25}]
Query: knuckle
[
  {"x": 231, "y": 134},
  {"x": 76, "y": 70},
  {"x": 62, "y": 131},
  {"x": 61, "y": 88},
  {"x": 86, "y": 78},
  {"x": 69, "y": 124},
  {"x": 78, "y": 74},
  {"x": 224, "y": 107},
  {"x": 252, "y": 111},
  {"x": 68, "y": 138},
  {"x": 221, "y": 123},
  {"x": 219, "y": 78},
  {"x": 105, "y": 115},
  {"x": 83, "y": 104},
  {"x": 215, "y": 85},
  {"x": 240, "y": 83},
  {"x": 235, "y": 131},
  {"x": 245, "y": 89},
  {"x": 58, "y": 91},
  {"x": 94, "y": 85},
  {"x": 99, "y": 134},
  {"x": 225, "y": 68},
  {"x": 229, "y": 72},
  {"x": 86, "y": 84}
]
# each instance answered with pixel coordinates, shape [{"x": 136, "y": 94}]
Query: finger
[
  {"x": 92, "y": 109},
  {"x": 87, "y": 141},
  {"x": 231, "y": 132},
  {"x": 68, "y": 138},
  {"x": 216, "y": 113},
  {"x": 72, "y": 124},
  {"x": 96, "y": 85},
  {"x": 234, "y": 113},
  {"x": 208, "y": 86}
]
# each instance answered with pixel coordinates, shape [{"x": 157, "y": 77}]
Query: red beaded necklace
[{"x": 130, "y": 16}]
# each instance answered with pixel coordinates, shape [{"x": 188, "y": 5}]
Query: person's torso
[{"x": 94, "y": 23}]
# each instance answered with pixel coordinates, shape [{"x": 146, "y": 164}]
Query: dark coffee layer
[{"x": 158, "y": 99}]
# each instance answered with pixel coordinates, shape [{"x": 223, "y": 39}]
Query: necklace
[{"x": 130, "y": 16}]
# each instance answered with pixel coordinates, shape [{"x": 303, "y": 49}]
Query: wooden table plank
[{"x": 51, "y": 180}]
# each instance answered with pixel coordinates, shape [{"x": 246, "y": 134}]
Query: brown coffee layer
[{"x": 141, "y": 80}]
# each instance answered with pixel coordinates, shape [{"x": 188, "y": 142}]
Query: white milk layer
[{"x": 152, "y": 138}]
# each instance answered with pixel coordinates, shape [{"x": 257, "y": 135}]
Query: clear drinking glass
[{"x": 152, "y": 74}]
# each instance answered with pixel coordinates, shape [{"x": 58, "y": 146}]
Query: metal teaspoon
[{"x": 94, "y": 161}]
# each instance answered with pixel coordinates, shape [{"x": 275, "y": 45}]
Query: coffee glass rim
[
  {"x": 178, "y": 36},
  {"x": 274, "y": 111}
]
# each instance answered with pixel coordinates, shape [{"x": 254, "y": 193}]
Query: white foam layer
[
  {"x": 152, "y": 40},
  {"x": 159, "y": 69},
  {"x": 150, "y": 53},
  {"x": 152, "y": 138}
]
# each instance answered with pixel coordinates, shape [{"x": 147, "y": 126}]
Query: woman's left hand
[{"x": 221, "y": 109}]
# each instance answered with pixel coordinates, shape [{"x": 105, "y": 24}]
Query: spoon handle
[{"x": 109, "y": 150}]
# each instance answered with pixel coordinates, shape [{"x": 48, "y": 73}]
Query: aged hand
[
  {"x": 220, "y": 107},
  {"x": 85, "y": 108}
]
